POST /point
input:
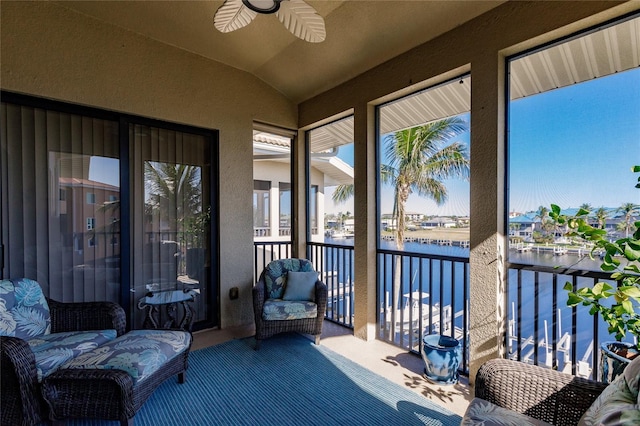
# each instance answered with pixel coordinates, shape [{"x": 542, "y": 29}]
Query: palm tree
[
  {"x": 629, "y": 210},
  {"x": 547, "y": 225},
  {"x": 174, "y": 193},
  {"x": 601, "y": 214},
  {"x": 419, "y": 159}
]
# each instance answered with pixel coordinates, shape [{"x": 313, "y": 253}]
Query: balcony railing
[
  {"x": 542, "y": 329},
  {"x": 261, "y": 231},
  {"x": 431, "y": 295},
  {"x": 335, "y": 262},
  {"x": 266, "y": 251},
  {"x": 423, "y": 293}
]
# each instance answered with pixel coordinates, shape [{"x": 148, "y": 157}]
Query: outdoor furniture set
[
  {"x": 289, "y": 296},
  {"x": 514, "y": 393},
  {"x": 74, "y": 360}
]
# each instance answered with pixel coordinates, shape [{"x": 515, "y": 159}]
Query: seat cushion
[
  {"x": 275, "y": 275},
  {"x": 278, "y": 309},
  {"x": 24, "y": 311},
  {"x": 139, "y": 352},
  {"x": 53, "y": 350},
  {"x": 619, "y": 403},
  {"x": 481, "y": 412}
]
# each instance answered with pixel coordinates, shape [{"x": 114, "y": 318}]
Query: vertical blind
[{"x": 60, "y": 195}]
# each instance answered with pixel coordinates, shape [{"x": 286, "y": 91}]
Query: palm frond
[{"x": 342, "y": 193}]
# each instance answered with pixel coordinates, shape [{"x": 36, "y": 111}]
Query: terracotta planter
[
  {"x": 441, "y": 356},
  {"x": 612, "y": 363}
]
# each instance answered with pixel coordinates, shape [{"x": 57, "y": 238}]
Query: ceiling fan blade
[
  {"x": 232, "y": 15},
  {"x": 302, "y": 20}
]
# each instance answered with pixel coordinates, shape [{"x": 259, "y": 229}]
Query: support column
[
  {"x": 365, "y": 197},
  {"x": 487, "y": 263},
  {"x": 299, "y": 192}
]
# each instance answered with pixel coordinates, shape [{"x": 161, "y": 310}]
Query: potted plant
[{"x": 619, "y": 303}]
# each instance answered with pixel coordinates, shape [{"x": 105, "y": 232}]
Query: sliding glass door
[
  {"x": 98, "y": 206},
  {"x": 171, "y": 216}
]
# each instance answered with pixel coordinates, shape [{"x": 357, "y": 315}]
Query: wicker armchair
[
  {"x": 548, "y": 395},
  {"x": 21, "y": 400},
  {"x": 270, "y": 287}
]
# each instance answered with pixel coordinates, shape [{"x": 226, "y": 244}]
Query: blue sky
[
  {"x": 568, "y": 146},
  {"x": 577, "y": 145}
]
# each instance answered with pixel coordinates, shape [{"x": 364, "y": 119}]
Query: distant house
[
  {"x": 439, "y": 222},
  {"x": 413, "y": 217},
  {"x": 272, "y": 186},
  {"x": 387, "y": 223},
  {"x": 522, "y": 226}
]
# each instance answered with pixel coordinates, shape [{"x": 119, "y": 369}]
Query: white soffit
[
  {"x": 332, "y": 135},
  {"x": 335, "y": 170},
  {"x": 610, "y": 50},
  {"x": 447, "y": 100}
]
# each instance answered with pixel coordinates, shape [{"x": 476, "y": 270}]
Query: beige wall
[
  {"x": 49, "y": 51},
  {"x": 479, "y": 47}
]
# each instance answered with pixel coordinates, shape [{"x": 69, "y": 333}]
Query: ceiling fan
[{"x": 297, "y": 16}]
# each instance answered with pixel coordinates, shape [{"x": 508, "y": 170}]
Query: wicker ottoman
[{"x": 112, "y": 381}]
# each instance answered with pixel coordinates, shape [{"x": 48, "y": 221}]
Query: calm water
[{"x": 528, "y": 258}]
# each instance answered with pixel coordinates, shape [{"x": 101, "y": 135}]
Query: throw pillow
[
  {"x": 618, "y": 404},
  {"x": 300, "y": 286}
]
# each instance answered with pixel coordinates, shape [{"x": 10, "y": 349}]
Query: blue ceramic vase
[
  {"x": 611, "y": 363},
  {"x": 441, "y": 355}
]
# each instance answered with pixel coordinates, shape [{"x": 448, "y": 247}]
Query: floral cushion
[
  {"x": 53, "y": 350},
  {"x": 275, "y": 274},
  {"x": 619, "y": 403},
  {"x": 24, "y": 311},
  {"x": 481, "y": 412},
  {"x": 277, "y": 309},
  {"x": 139, "y": 352}
]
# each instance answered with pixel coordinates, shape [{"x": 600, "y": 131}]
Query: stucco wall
[{"x": 49, "y": 51}]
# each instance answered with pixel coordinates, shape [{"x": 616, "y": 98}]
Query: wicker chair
[
  {"x": 548, "y": 395},
  {"x": 270, "y": 287},
  {"x": 21, "y": 400}
]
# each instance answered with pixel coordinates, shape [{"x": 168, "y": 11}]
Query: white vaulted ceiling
[{"x": 361, "y": 34}]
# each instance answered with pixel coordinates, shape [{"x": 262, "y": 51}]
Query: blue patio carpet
[{"x": 289, "y": 381}]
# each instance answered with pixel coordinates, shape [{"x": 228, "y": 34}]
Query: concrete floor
[{"x": 391, "y": 362}]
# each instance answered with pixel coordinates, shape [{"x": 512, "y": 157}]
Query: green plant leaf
[
  {"x": 582, "y": 212},
  {"x": 632, "y": 268},
  {"x": 573, "y": 299},
  {"x": 630, "y": 253},
  {"x": 630, "y": 291},
  {"x": 600, "y": 287},
  {"x": 627, "y": 306}
]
